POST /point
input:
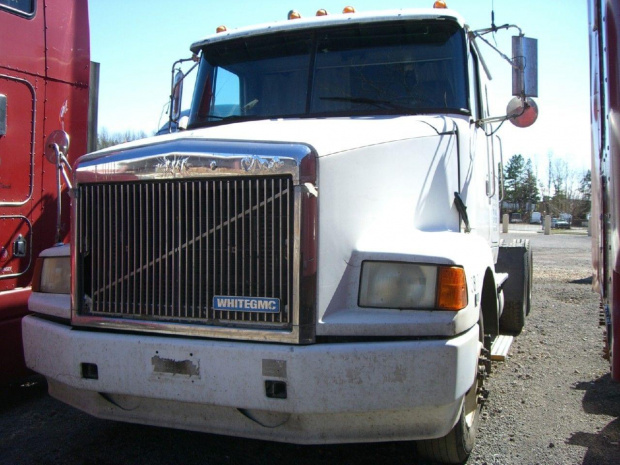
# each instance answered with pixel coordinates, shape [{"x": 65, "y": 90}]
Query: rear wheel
[
  {"x": 512, "y": 320},
  {"x": 516, "y": 258},
  {"x": 529, "y": 280},
  {"x": 455, "y": 447}
]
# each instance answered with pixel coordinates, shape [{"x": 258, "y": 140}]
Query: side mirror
[
  {"x": 176, "y": 96},
  {"x": 56, "y": 150},
  {"x": 524, "y": 67},
  {"x": 56, "y": 146},
  {"x": 522, "y": 112}
]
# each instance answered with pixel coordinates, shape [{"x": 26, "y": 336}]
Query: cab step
[{"x": 500, "y": 347}]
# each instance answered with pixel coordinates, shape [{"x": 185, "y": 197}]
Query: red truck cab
[{"x": 44, "y": 86}]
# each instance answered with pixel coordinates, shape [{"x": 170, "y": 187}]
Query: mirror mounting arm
[
  {"x": 476, "y": 35},
  {"x": 492, "y": 119},
  {"x": 481, "y": 32}
]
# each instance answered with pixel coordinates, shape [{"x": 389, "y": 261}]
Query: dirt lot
[{"x": 551, "y": 402}]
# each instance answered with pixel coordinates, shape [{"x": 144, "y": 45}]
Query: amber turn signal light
[{"x": 451, "y": 288}]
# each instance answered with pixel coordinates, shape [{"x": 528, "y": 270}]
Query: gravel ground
[{"x": 551, "y": 402}]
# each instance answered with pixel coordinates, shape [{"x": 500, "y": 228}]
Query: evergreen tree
[
  {"x": 585, "y": 186},
  {"x": 513, "y": 175},
  {"x": 528, "y": 194},
  {"x": 520, "y": 184}
]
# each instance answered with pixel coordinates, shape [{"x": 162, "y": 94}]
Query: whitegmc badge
[{"x": 246, "y": 304}]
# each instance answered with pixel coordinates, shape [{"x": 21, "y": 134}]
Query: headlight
[
  {"x": 53, "y": 275},
  {"x": 412, "y": 286}
]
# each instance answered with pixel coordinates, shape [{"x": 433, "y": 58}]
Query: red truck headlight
[{"x": 52, "y": 275}]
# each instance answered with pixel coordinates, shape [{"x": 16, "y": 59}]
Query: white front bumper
[{"x": 347, "y": 392}]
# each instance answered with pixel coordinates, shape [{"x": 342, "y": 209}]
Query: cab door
[{"x": 17, "y": 161}]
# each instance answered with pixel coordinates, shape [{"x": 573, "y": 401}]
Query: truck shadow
[
  {"x": 602, "y": 397},
  {"x": 163, "y": 445},
  {"x": 22, "y": 392}
]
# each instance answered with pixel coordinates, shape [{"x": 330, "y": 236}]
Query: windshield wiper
[
  {"x": 369, "y": 101},
  {"x": 389, "y": 105},
  {"x": 219, "y": 117}
]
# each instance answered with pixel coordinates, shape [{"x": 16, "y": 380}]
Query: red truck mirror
[{"x": 522, "y": 112}]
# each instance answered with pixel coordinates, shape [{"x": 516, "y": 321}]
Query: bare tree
[{"x": 106, "y": 139}]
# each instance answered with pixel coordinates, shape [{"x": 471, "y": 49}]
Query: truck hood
[
  {"x": 332, "y": 135},
  {"x": 327, "y": 135}
]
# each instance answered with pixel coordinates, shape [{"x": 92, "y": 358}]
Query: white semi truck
[{"x": 315, "y": 259}]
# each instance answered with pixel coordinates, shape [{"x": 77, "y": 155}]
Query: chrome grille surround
[{"x": 162, "y": 229}]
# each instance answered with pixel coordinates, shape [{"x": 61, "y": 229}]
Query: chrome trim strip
[
  {"x": 216, "y": 332},
  {"x": 192, "y": 158}
]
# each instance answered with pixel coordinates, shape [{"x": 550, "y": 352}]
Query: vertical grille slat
[{"x": 161, "y": 250}]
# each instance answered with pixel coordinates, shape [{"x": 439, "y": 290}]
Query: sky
[{"x": 136, "y": 43}]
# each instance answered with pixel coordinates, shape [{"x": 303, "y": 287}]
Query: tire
[
  {"x": 455, "y": 447},
  {"x": 512, "y": 320},
  {"x": 518, "y": 300},
  {"x": 530, "y": 279}
]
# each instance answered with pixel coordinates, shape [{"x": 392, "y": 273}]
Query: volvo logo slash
[
  {"x": 173, "y": 165},
  {"x": 256, "y": 163}
]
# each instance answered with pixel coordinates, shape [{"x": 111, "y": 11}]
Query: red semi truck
[
  {"x": 44, "y": 90},
  {"x": 604, "y": 16}
]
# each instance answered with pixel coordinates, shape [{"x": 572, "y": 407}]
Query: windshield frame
[{"x": 306, "y": 88}]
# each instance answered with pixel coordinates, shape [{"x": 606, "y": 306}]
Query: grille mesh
[{"x": 161, "y": 250}]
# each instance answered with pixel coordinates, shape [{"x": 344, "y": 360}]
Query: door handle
[{"x": 19, "y": 247}]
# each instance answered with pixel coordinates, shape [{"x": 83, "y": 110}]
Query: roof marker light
[
  {"x": 293, "y": 15},
  {"x": 440, "y": 4},
  {"x": 322, "y": 12},
  {"x": 348, "y": 9},
  {"x": 221, "y": 29}
]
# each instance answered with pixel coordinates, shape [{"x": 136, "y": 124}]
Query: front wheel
[{"x": 455, "y": 447}]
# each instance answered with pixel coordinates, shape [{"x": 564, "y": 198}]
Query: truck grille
[{"x": 161, "y": 250}]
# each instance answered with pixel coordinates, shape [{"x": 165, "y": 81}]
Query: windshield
[{"x": 390, "y": 68}]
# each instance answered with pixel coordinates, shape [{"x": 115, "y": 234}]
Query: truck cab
[
  {"x": 312, "y": 261},
  {"x": 44, "y": 87}
]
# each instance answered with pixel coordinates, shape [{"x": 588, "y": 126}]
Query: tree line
[
  {"x": 107, "y": 139},
  {"x": 565, "y": 192}
]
